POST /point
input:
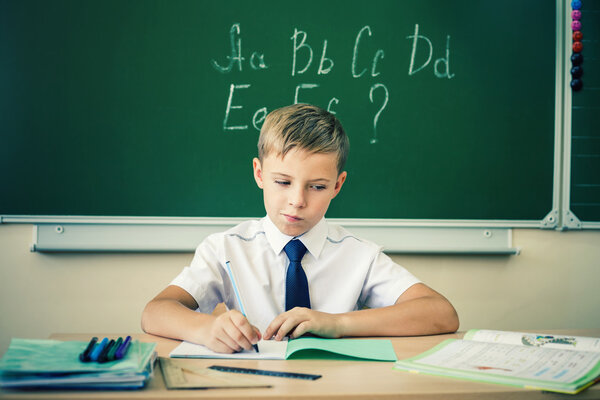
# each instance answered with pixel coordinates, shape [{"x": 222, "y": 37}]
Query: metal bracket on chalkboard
[
  {"x": 550, "y": 221},
  {"x": 173, "y": 235},
  {"x": 571, "y": 221}
]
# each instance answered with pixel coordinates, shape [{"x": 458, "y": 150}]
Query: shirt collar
[{"x": 314, "y": 239}]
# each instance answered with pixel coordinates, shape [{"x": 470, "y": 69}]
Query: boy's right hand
[{"x": 231, "y": 332}]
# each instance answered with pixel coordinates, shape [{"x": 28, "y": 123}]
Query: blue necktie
[{"x": 296, "y": 284}]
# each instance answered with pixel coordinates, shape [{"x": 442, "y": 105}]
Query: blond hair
[{"x": 305, "y": 127}]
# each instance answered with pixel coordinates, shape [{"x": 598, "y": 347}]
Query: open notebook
[
  {"x": 315, "y": 348},
  {"x": 557, "y": 363}
]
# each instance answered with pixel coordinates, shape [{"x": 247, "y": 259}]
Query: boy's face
[{"x": 298, "y": 188}]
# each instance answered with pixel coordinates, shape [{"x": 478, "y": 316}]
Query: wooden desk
[{"x": 341, "y": 379}]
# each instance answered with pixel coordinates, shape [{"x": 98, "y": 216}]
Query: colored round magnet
[
  {"x": 576, "y": 15},
  {"x": 577, "y": 36},
  {"x": 576, "y": 25},
  {"x": 576, "y": 4},
  {"x": 576, "y": 71},
  {"x": 577, "y": 59},
  {"x": 577, "y": 47},
  {"x": 576, "y": 84}
]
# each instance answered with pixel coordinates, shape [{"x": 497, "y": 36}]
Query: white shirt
[{"x": 344, "y": 273}]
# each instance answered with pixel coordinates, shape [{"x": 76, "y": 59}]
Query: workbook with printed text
[{"x": 558, "y": 363}]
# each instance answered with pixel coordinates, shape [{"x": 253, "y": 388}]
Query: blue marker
[
  {"x": 98, "y": 349},
  {"x": 237, "y": 296},
  {"x": 120, "y": 353}
]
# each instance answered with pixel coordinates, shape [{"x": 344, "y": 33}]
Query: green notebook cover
[
  {"x": 364, "y": 349},
  {"x": 302, "y": 348}
]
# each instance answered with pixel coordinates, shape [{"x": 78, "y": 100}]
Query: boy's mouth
[{"x": 292, "y": 218}]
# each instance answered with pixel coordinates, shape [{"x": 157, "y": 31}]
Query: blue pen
[
  {"x": 98, "y": 349},
  {"x": 110, "y": 356},
  {"x": 120, "y": 353},
  {"x": 237, "y": 296}
]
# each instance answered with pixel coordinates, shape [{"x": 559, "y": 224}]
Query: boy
[{"x": 318, "y": 283}]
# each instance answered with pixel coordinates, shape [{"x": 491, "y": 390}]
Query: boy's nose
[{"x": 297, "y": 198}]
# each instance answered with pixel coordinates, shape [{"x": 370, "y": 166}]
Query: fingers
[
  {"x": 257, "y": 333},
  {"x": 241, "y": 331},
  {"x": 301, "y": 329},
  {"x": 232, "y": 332},
  {"x": 219, "y": 346},
  {"x": 294, "y": 323},
  {"x": 274, "y": 327}
]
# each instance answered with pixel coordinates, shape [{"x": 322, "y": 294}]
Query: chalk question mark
[{"x": 385, "y": 101}]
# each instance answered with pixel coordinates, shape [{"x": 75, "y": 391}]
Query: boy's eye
[
  {"x": 319, "y": 187},
  {"x": 281, "y": 182}
]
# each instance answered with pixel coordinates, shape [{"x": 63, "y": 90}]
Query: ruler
[
  {"x": 252, "y": 371},
  {"x": 184, "y": 374}
]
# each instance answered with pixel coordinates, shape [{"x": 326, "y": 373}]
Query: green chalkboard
[
  {"x": 585, "y": 133},
  {"x": 151, "y": 108}
]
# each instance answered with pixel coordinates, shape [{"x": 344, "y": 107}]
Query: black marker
[
  {"x": 85, "y": 355},
  {"x": 102, "y": 357}
]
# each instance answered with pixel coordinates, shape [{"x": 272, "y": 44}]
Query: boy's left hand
[{"x": 299, "y": 320}]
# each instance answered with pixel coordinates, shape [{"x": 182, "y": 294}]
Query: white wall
[{"x": 552, "y": 284}]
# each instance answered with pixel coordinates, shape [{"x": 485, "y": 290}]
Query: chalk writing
[
  {"x": 330, "y": 105},
  {"x": 257, "y": 119},
  {"x": 383, "y": 105},
  {"x": 378, "y": 54},
  {"x": 324, "y": 60},
  {"x": 257, "y": 60},
  {"x": 446, "y": 61},
  {"x": 230, "y": 107},
  {"x": 298, "y": 47},
  {"x": 323, "y": 70},
  {"x": 303, "y": 86},
  {"x": 365, "y": 65}
]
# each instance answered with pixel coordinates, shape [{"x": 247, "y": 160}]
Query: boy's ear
[
  {"x": 339, "y": 182},
  {"x": 257, "y": 172}
]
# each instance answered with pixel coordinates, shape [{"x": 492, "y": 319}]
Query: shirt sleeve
[
  {"x": 203, "y": 278},
  {"x": 385, "y": 282}
]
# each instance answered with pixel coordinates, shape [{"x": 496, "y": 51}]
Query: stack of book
[{"x": 39, "y": 364}]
